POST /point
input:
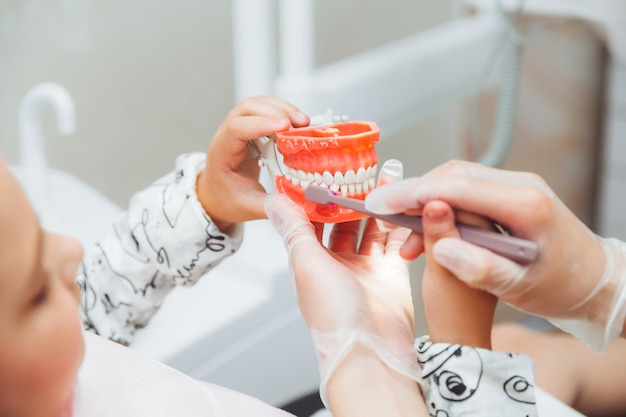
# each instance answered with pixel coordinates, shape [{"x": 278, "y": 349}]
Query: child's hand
[
  {"x": 228, "y": 188},
  {"x": 455, "y": 312}
]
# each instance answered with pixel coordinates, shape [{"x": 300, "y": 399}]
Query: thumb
[
  {"x": 306, "y": 255},
  {"x": 480, "y": 268},
  {"x": 391, "y": 171},
  {"x": 290, "y": 221}
]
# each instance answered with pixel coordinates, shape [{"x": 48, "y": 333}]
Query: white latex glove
[
  {"x": 354, "y": 291},
  {"x": 578, "y": 279},
  {"x": 391, "y": 171}
]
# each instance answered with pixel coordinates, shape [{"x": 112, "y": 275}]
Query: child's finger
[
  {"x": 438, "y": 222},
  {"x": 270, "y": 107},
  {"x": 413, "y": 246}
]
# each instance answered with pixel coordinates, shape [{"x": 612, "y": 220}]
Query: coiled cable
[{"x": 502, "y": 136}]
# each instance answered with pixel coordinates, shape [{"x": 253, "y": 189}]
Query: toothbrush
[
  {"x": 518, "y": 250},
  {"x": 264, "y": 150}
]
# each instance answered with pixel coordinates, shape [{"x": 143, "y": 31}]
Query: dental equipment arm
[{"x": 578, "y": 281}]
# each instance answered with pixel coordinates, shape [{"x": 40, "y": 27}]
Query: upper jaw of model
[{"x": 339, "y": 156}]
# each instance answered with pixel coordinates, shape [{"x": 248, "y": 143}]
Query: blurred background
[{"x": 151, "y": 80}]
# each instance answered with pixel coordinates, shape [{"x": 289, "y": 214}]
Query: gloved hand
[
  {"x": 231, "y": 174},
  {"x": 392, "y": 171},
  {"x": 351, "y": 292},
  {"x": 578, "y": 280}
]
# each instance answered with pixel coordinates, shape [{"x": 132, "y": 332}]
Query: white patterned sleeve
[
  {"x": 165, "y": 239},
  {"x": 467, "y": 381}
]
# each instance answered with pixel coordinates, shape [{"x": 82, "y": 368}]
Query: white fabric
[
  {"x": 163, "y": 240},
  {"x": 467, "y": 381},
  {"x": 547, "y": 405},
  {"x": 115, "y": 381}
]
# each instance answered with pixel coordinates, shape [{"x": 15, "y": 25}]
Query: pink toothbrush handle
[{"x": 516, "y": 249}]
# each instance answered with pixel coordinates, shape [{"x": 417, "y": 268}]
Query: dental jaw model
[{"x": 339, "y": 156}]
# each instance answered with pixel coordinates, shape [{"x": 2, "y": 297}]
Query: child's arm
[
  {"x": 455, "y": 313},
  {"x": 463, "y": 376},
  {"x": 181, "y": 226}
]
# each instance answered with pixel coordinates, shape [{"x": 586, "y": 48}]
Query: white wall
[{"x": 154, "y": 79}]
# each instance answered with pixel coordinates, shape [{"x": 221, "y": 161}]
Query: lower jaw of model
[{"x": 340, "y": 157}]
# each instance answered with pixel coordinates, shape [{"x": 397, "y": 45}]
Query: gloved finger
[
  {"x": 391, "y": 171},
  {"x": 508, "y": 204},
  {"x": 479, "y": 171},
  {"x": 319, "y": 230},
  {"x": 373, "y": 240},
  {"x": 395, "y": 240},
  {"x": 344, "y": 237},
  {"x": 291, "y": 223},
  {"x": 313, "y": 268},
  {"x": 376, "y": 242},
  {"x": 482, "y": 269}
]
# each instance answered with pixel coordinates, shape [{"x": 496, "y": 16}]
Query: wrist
[
  {"x": 397, "y": 353},
  {"x": 456, "y": 313},
  {"x": 364, "y": 385},
  {"x": 598, "y": 319},
  {"x": 207, "y": 200},
  {"x": 607, "y": 305}
]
